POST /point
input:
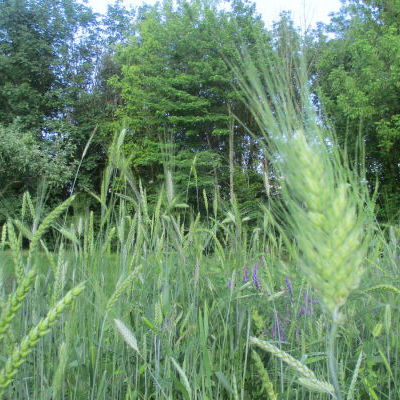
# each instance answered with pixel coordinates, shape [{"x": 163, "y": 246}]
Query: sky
[{"x": 305, "y": 13}]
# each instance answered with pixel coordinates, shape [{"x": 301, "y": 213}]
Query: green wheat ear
[
  {"x": 45, "y": 225},
  {"x": 308, "y": 378},
  {"x": 323, "y": 201},
  {"x": 287, "y": 358},
  {"x": 325, "y": 218},
  {"x": 14, "y": 301},
  {"x": 324, "y": 204},
  {"x": 3, "y": 236},
  {"x": 30, "y": 340},
  {"x": 266, "y": 385},
  {"x": 60, "y": 371},
  {"x": 26, "y": 281}
]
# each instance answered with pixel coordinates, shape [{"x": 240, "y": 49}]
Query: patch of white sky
[{"x": 305, "y": 13}]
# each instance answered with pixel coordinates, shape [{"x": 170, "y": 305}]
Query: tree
[
  {"x": 357, "y": 77},
  {"x": 24, "y": 163},
  {"x": 175, "y": 82},
  {"x": 41, "y": 58},
  {"x": 48, "y": 51}
]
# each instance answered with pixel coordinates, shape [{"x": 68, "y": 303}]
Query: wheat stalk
[
  {"x": 110, "y": 304},
  {"x": 15, "y": 251}
]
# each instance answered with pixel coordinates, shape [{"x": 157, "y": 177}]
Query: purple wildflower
[
  {"x": 255, "y": 277},
  {"x": 304, "y": 308},
  {"x": 246, "y": 275},
  {"x": 303, "y": 311},
  {"x": 289, "y": 285},
  {"x": 230, "y": 284},
  {"x": 277, "y": 330},
  {"x": 305, "y": 297},
  {"x": 307, "y": 306}
]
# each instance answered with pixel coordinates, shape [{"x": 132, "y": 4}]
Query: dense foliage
[
  {"x": 69, "y": 78},
  {"x": 211, "y": 309},
  {"x": 357, "y": 75}
]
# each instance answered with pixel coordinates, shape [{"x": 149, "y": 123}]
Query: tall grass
[{"x": 182, "y": 306}]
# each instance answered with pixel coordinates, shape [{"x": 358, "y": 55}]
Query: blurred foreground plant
[{"x": 324, "y": 202}]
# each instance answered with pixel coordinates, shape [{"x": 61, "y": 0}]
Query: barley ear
[
  {"x": 205, "y": 200},
  {"x": 235, "y": 388},
  {"x": 308, "y": 378},
  {"x": 322, "y": 206},
  {"x": 158, "y": 315},
  {"x": 50, "y": 257},
  {"x": 323, "y": 201}
]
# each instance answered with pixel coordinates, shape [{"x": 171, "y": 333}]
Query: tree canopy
[
  {"x": 357, "y": 74},
  {"x": 70, "y": 79}
]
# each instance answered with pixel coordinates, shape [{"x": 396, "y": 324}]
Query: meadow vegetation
[
  {"x": 299, "y": 303},
  {"x": 174, "y": 289}
]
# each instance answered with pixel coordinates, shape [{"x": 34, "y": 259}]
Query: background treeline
[{"x": 70, "y": 77}]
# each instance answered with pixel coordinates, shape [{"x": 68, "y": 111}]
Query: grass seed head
[{"x": 325, "y": 219}]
